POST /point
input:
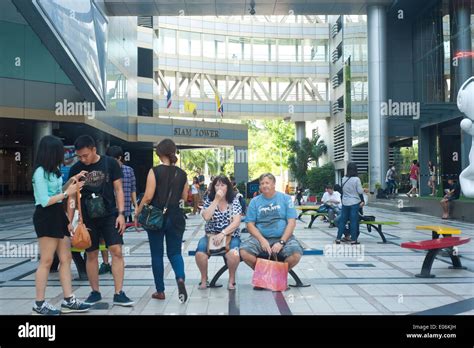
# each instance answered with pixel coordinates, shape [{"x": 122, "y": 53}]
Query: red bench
[{"x": 434, "y": 246}]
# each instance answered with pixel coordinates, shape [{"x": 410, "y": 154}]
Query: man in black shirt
[
  {"x": 100, "y": 196},
  {"x": 452, "y": 192}
]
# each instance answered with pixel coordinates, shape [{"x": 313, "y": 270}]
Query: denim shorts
[
  {"x": 202, "y": 244},
  {"x": 252, "y": 246}
]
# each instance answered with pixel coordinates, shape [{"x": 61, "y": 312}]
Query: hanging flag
[
  {"x": 220, "y": 104},
  {"x": 168, "y": 98},
  {"x": 189, "y": 107}
]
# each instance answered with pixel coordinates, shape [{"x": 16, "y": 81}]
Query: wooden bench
[
  {"x": 437, "y": 231},
  {"x": 305, "y": 209},
  {"x": 377, "y": 225},
  {"x": 314, "y": 215},
  {"x": 434, "y": 246},
  {"x": 221, "y": 271}
]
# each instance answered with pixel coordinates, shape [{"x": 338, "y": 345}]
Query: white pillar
[{"x": 377, "y": 56}]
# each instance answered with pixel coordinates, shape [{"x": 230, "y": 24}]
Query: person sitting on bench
[
  {"x": 331, "y": 204},
  {"x": 453, "y": 191},
  {"x": 271, "y": 220},
  {"x": 222, "y": 212}
]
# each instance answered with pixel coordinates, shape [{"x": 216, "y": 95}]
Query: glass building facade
[{"x": 260, "y": 67}]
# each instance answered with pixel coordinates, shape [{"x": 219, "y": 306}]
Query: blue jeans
[
  {"x": 351, "y": 213},
  {"x": 174, "y": 239},
  {"x": 391, "y": 186},
  {"x": 333, "y": 214}
]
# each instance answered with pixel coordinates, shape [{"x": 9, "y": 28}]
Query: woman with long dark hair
[
  {"x": 167, "y": 183},
  {"x": 51, "y": 225},
  {"x": 222, "y": 212},
  {"x": 351, "y": 202}
]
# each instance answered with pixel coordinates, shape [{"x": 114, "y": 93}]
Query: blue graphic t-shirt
[{"x": 271, "y": 215}]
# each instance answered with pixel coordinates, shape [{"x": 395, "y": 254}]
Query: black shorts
[
  {"x": 50, "y": 221},
  {"x": 103, "y": 228}
]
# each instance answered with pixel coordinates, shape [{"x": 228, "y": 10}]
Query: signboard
[{"x": 196, "y": 132}]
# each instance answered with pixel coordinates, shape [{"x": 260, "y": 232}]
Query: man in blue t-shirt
[{"x": 271, "y": 220}]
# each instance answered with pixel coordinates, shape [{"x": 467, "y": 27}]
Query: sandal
[
  {"x": 231, "y": 286},
  {"x": 182, "y": 293},
  {"x": 200, "y": 287}
]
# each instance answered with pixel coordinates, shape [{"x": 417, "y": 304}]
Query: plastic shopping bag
[{"x": 269, "y": 274}]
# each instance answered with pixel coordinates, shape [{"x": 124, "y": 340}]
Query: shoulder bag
[
  {"x": 81, "y": 238},
  {"x": 151, "y": 217}
]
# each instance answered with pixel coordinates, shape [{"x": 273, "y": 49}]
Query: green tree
[
  {"x": 317, "y": 178},
  {"x": 269, "y": 146},
  {"x": 408, "y": 154},
  {"x": 304, "y": 154},
  {"x": 196, "y": 160}
]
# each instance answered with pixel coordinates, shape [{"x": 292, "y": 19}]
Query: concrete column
[
  {"x": 377, "y": 56},
  {"x": 423, "y": 158},
  {"x": 241, "y": 165},
  {"x": 300, "y": 131},
  {"x": 462, "y": 39},
  {"x": 41, "y": 129}
]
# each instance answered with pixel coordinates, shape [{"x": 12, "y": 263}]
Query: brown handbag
[
  {"x": 212, "y": 249},
  {"x": 223, "y": 247},
  {"x": 82, "y": 237}
]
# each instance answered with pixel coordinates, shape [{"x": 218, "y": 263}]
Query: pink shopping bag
[{"x": 272, "y": 275}]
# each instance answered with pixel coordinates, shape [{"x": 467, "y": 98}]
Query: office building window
[
  {"x": 145, "y": 107},
  {"x": 208, "y": 46},
  {"x": 167, "y": 41},
  {"x": 235, "y": 48},
  {"x": 288, "y": 50},
  {"x": 315, "y": 50}
]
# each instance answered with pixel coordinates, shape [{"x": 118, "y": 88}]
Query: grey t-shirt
[{"x": 351, "y": 190}]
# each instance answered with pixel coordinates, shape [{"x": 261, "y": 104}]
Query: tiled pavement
[{"x": 380, "y": 281}]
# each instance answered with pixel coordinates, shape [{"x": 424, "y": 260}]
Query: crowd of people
[{"x": 107, "y": 188}]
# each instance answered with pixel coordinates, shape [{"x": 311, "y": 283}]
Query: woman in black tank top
[{"x": 163, "y": 181}]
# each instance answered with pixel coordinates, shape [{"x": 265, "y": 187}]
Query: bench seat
[
  {"x": 298, "y": 282},
  {"x": 434, "y": 246},
  {"x": 436, "y": 231}
]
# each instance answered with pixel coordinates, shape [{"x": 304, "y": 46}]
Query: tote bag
[{"x": 269, "y": 274}]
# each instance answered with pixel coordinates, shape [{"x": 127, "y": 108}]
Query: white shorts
[{"x": 414, "y": 183}]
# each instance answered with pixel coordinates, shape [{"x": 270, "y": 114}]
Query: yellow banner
[{"x": 189, "y": 107}]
